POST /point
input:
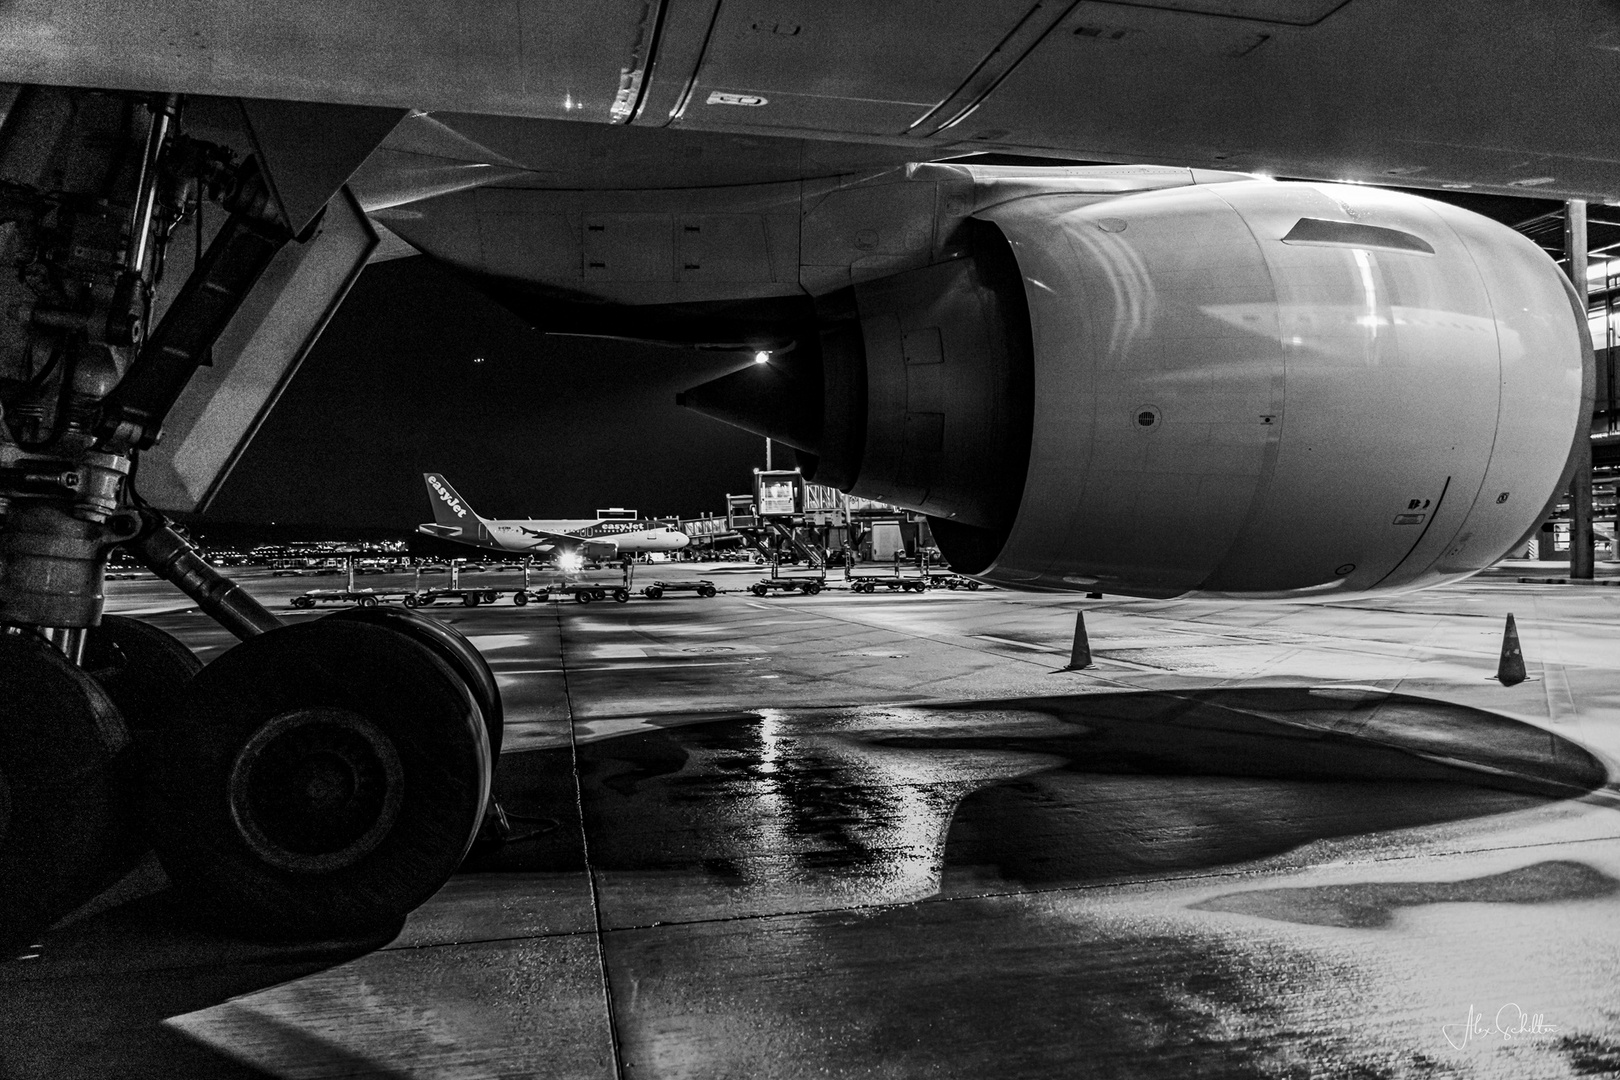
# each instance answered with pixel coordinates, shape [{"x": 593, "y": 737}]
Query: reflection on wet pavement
[{"x": 1373, "y": 905}]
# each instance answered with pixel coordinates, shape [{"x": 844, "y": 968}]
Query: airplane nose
[{"x": 681, "y": 540}]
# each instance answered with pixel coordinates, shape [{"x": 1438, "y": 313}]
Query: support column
[{"x": 1580, "y": 485}]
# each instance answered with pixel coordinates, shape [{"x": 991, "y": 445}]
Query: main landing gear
[
  {"x": 320, "y": 779},
  {"x": 316, "y": 780}
]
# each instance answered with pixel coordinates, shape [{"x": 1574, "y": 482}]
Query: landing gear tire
[
  {"x": 65, "y": 794},
  {"x": 320, "y": 780},
  {"x": 144, "y": 670},
  {"x": 520, "y": 598},
  {"x": 451, "y": 646}
]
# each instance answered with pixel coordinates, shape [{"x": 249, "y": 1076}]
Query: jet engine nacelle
[{"x": 1251, "y": 388}]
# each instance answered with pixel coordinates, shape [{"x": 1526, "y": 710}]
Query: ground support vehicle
[
  {"x": 952, "y": 581},
  {"x": 807, "y": 586},
  {"x": 420, "y": 597},
  {"x": 659, "y": 588},
  {"x": 584, "y": 592},
  {"x": 892, "y": 582},
  {"x": 468, "y": 597},
  {"x": 359, "y": 597}
]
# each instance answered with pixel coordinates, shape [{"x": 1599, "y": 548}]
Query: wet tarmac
[{"x": 888, "y": 835}]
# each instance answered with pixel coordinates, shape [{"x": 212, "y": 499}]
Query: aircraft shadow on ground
[
  {"x": 1168, "y": 782},
  {"x": 1107, "y": 787},
  {"x": 97, "y": 1008},
  {"x": 1118, "y": 785}
]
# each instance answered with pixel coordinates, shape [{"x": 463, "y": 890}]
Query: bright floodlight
[
  {"x": 761, "y": 356},
  {"x": 570, "y": 561}
]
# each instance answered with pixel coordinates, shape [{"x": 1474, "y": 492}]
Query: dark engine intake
[{"x": 918, "y": 391}]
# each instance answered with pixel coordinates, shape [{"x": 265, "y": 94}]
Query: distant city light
[{"x": 761, "y": 356}]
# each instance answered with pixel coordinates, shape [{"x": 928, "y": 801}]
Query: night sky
[{"x": 543, "y": 427}]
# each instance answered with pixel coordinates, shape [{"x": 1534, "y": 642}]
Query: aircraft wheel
[
  {"x": 621, "y": 595},
  {"x": 520, "y": 598},
  {"x": 469, "y": 599},
  {"x": 451, "y": 646},
  {"x": 144, "y": 670},
  {"x": 65, "y": 796},
  {"x": 320, "y": 780}
]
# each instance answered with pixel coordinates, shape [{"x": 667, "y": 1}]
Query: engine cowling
[{"x": 1250, "y": 388}]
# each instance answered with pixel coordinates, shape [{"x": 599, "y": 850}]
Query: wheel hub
[{"x": 315, "y": 790}]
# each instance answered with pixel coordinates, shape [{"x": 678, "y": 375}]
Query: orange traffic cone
[
  {"x": 1080, "y": 652},
  {"x": 1510, "y": 669}
]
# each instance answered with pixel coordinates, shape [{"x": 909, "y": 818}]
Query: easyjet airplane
[{"x": 608, "y": 535}]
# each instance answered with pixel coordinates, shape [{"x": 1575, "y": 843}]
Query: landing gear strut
[{"x": 318, "y": 779}]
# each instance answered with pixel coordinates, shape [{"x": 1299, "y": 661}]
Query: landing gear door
[{"x": 254, "y": 359}]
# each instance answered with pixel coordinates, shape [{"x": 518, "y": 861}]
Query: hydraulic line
[{"x": 170, "y": 556}]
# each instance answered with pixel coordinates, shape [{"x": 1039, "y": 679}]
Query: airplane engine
[{"x": 1249, "y": 388}]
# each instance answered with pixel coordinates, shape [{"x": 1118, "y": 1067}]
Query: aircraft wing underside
[{"x": 1495, "y": 94}]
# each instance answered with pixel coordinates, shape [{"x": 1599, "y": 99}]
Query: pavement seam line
[{"x": 585, "y": 851}]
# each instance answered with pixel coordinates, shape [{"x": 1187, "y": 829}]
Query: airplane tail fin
[{"x": 450, "y": 511}]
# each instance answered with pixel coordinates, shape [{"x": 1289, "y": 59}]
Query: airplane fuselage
[{"x": 630, "y": 537}]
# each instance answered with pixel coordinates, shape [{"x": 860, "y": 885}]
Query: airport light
[{"x": 761, "y": 357}]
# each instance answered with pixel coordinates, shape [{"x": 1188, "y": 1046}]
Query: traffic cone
[
  {"x": 1080, "y": 652},
  {"x": 1510, "y": 669}
]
